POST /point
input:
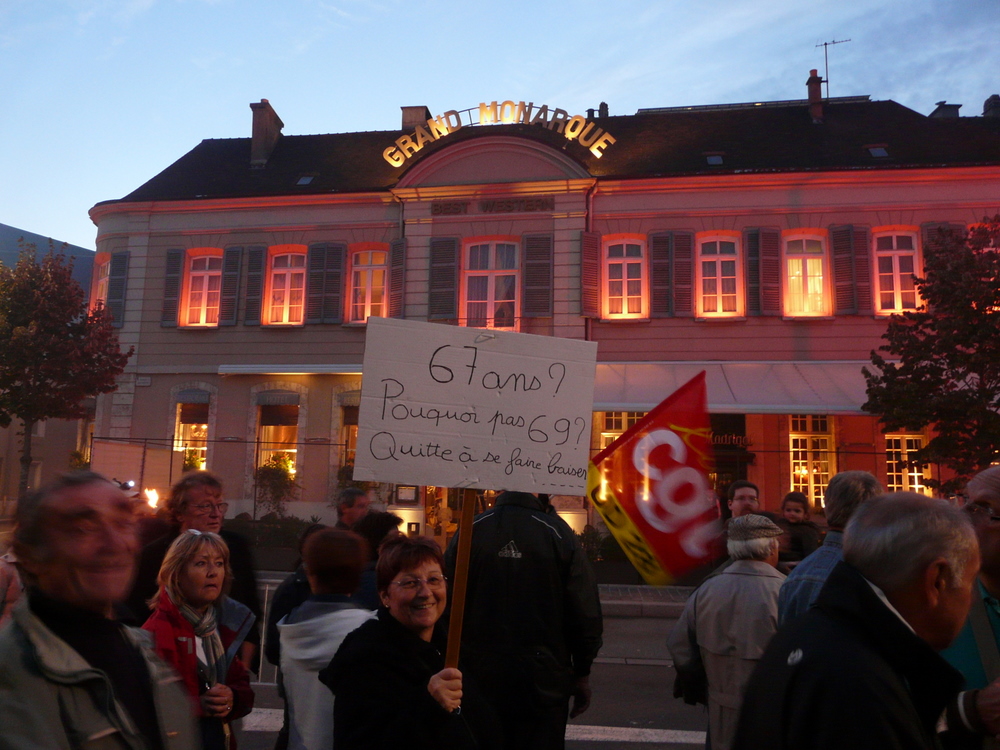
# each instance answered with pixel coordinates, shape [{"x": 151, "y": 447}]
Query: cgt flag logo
[{"x": 651, "y": 487}]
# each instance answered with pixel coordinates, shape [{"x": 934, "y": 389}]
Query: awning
[{"x": 736, "y": 387}]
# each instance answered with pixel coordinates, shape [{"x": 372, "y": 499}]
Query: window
[
  {"x": 615, "y": 423},
  {"x": 191, "y": 435},
  {"x": 103, "y": 272},
  {"x": 286, "y": 288},
  {"x": 900, "y": 475},
  {"x": 719, "y": 292},
  {"x": 813, "y": 460},
  {"x": 350, "y": 434},
  {"x": 895, "y": 262},
  {"x": 805, "y": 278},
  {"x": 490, "y": 285},
  {"x": 625, "y": 280},
  {"x": 277, "y": 435},
  {"x": 368, "y": 285},
  {"x": 204, "y": 286}
]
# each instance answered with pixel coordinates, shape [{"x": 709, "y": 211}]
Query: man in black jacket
[
  {"x": 860, "y": 670},
  {"x": 533, "y": 620}
]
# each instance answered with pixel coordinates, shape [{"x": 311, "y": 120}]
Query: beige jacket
[{"x": 726, "y": 624}]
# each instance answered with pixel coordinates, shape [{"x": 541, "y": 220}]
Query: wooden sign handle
[{"x": 461, "y": 578}]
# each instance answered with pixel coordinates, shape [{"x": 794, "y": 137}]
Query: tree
[
  {"x": 943, "y": 366},
  {"x": 54, "y": 352}
]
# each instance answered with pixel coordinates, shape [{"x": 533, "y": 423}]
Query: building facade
[{"x": 765, "y": 243}]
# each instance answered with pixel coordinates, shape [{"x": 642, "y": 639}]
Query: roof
[
  {"x": 10, "y": 249},
  {"x": 651, "y": 143}
]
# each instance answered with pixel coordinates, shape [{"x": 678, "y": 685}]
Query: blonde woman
[{"x": 198, "y": 630}]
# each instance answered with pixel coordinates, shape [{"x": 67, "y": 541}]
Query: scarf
[{"x": 204, "y": 624}]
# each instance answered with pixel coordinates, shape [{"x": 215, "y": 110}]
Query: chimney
[
  {"x": 266, "y": 131},
  {"x": 991, "y": 107},
  {"x": 413, "y": 116},
  {"x": 815, "y": 87},
  {"x": 602, "y": 109},
  {"x": 945, "y": 110}
]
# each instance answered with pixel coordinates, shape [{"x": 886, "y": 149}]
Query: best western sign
[{"x": 576, "y": 128}]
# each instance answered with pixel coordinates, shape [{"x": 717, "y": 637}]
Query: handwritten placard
[{"x": 466, "y": 407}]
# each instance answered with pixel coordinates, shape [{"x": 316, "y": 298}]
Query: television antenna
[{"x": 826, "y": 61}]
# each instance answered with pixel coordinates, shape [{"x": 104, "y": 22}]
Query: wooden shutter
[
  {"x": 751, "y": 246},
  {"x": 660, "y": 297},
  {"x": 844, "y": 287},
  {"x": 770, "y": 272},
  {"x": 255, "y": 285},
  {"x": 537, "y": 275},
  {"x": 117, "y": 283},
  {"x": 863, "y": 269},
  {"x": 172, "y": 276},
  {"x": 590, "y": 274},
  {"x": 442, "y": 302},
  {"x": 397, "y": 277},
  {"x": 232, "y": 261},
  {"x": 325, "y": 282},
  {"x": 683, "y": 274}
]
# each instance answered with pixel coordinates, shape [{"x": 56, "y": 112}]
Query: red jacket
[{"x": 174, "y": 642}]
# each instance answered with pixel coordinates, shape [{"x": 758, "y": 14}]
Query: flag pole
[{"x": 461, "y": 577}]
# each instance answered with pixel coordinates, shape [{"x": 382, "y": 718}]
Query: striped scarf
[{"x": 204, "y": 624}]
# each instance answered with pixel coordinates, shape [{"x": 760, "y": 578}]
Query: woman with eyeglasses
[
  {"x": 388, "y": 679},
  {"x": 198, "y": 629}
]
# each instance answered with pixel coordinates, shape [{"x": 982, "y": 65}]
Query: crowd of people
[{"x": 119, "y": 644}]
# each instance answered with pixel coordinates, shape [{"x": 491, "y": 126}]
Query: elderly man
[
  {"x": 859, "y": 669},
  {"x": 195, "y": 502},
  {"x": 728, "y": 622},
  {"x": 72, "y": 676},
  {"x": 352, "y": 505},
  {"x": 845, "y": 493}
]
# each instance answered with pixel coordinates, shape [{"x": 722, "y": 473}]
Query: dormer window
[
  {"x": 878, "y": 150},
  {"x": 305, "y": 179},
  {"x": 714, "y": 158}
]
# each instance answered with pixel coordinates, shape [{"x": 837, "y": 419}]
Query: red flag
[{"x": 651, "y": 487}]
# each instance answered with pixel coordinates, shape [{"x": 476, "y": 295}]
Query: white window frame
[
  {"x": 615, "y": 423},
  {"x": 206, "y": 275},
  {"x": 291, "y": 274},
  {"x": 812, "y": 454},
  {"x": 910, "y": 478},
  {"x": 361, "y": 281},
  {"x": 701, "y": 279},
  {"x": 825, "y": 308},
  {"x": 491, "y": 274},
  {"x": 101, "y": 289},
  {"x": 897, "y": 275},
  {"x": 618, "y": 267}
]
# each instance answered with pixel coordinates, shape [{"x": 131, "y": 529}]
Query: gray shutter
[
  {"x": 117, "y": 283},
  {"x": 325, "y": 282},
  {"x": 751, "y": 245},
  {"x": 660, "y": 298},
  {"x": 442, "y": 302},
  {"x": 862, "y": 269},
  {"x": 770, "y": 272},
  {"x": 931, "y": 233},
  {"x": 232, "y": 260},
  {"x": 537, "y": 275},
  {"x": 255, "y": 285},
  {"x": 683, "y": 267},
  {"x": 172, "y": 275},
  {"x": 844, "y": 288},
  {"x": 397, "y": 277},
  {"x": 590, "y": 274}
]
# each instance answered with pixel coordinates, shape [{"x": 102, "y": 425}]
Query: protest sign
[
  {"x": 651, "y": 487},
  {"x": 467, "y": 407}
]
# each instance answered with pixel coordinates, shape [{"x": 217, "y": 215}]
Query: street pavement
[{"x": 632, "y": 680}]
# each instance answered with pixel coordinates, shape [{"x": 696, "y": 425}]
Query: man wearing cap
[{"x": 728, "y": 622}]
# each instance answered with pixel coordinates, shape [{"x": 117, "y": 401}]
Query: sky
[{"x": 98, "y": 96}]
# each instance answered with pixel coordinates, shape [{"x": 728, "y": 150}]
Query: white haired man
[
  {"x": 728, "y": 622},
  {"x": 860, "y": 669}
]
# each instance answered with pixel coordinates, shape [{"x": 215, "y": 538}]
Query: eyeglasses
[
  {"x": 414, "y": 584},
  {"x": 205, "y": 508},
  {"x": 981, "y": 512}
]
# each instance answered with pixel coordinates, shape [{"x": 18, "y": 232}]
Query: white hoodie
[{"x": 307, "y": 647}]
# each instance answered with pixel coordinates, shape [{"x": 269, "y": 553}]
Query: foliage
[
  {"x": 192, "y": 459},
  {"x": 78, "y": 461},
  {"x": 275, "y": 484},
  {"x": 943, "y": 366},
  {"x": 56, "y": 352},
  {"x": 345, "y": 479},
  {"x": 590, "y": 542}
]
